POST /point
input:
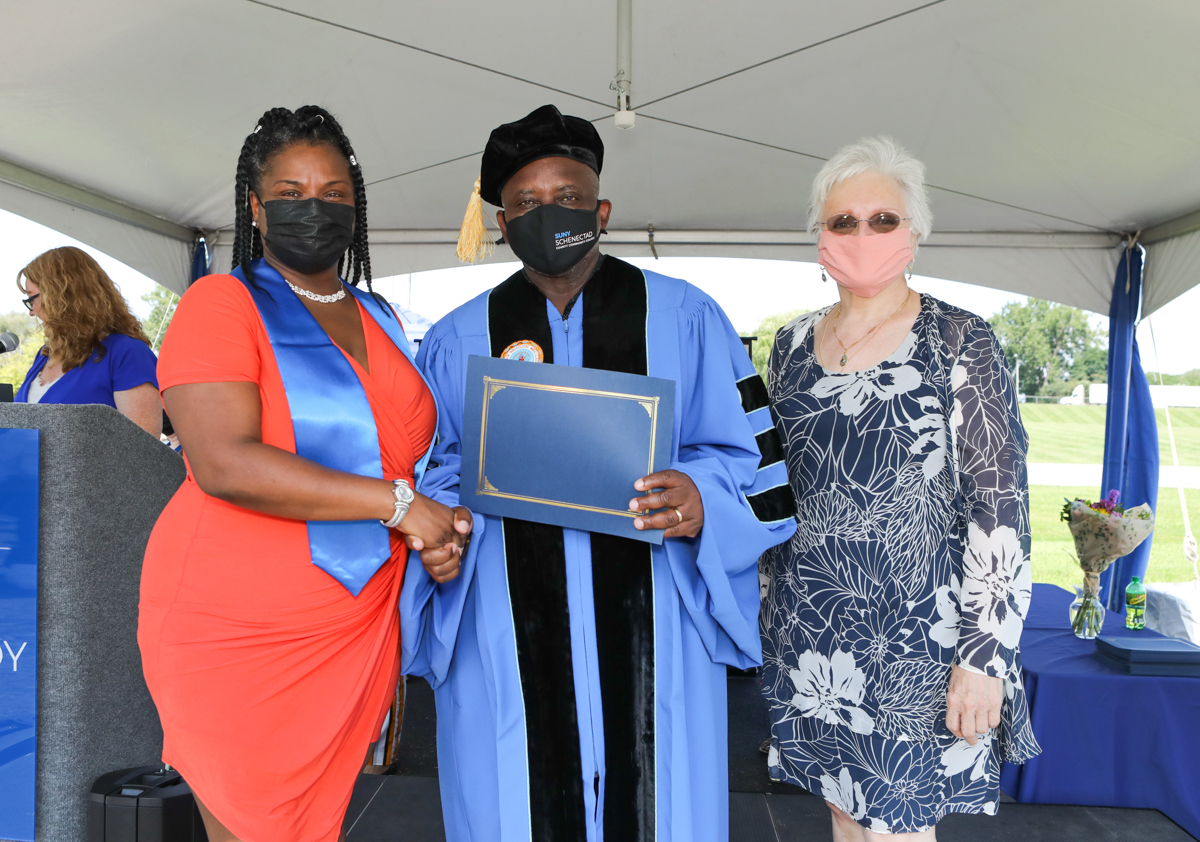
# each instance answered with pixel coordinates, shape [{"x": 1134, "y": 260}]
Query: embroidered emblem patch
[{"x": 524, "y": 350}]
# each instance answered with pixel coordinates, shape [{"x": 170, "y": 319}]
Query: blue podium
[
  {"x": 80, "y": 489},
  {"x": 18, "y": 629}
]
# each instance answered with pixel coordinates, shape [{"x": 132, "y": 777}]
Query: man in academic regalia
[{"x": 580, "y": 677}]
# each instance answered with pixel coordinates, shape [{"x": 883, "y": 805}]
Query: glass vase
[{"x": 1087, "y": 614}]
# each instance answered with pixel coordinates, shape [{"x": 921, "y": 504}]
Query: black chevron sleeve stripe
[
  {"x": 774, "y": 504},
  {"x": 753, "y": 392},
  {"x": 769, "y": 446}
]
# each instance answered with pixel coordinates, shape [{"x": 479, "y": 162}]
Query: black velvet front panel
[
  {"x": 537, "y": 586},
  {"x": 516, "y": 311},
  {"x": 623, "y": 590},
  {"x": 614, "y": 318},
  {"x": 614, "y": 338}
]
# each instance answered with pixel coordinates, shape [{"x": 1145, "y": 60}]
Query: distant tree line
[
  {"x": 1188, "y": 378},
  {"x": 1055, "y": 347},
  {"x": 760, "y": 353},
  {"x": 163, "y": 303},
  {"x": 14, "y": 366}
]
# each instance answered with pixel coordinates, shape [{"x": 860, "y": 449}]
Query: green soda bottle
[{"x": 1135, "y": 604}]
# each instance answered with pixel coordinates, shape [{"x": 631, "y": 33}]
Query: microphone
[{"x": 9, "y": 342}]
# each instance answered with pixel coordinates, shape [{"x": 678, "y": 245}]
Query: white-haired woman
[{"x": 892, "y": 619}]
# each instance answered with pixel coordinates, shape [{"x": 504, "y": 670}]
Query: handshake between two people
[{"x": 441, "y": 533}]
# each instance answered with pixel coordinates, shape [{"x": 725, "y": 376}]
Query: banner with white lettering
[{"x": 18, "y": 631}]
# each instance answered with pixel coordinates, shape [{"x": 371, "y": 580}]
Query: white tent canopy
[{"x": 1050, "y": 128}]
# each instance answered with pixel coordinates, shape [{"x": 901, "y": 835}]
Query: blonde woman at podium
[
  {"x": 269, "y": 625},
  {"x": 96, "y": 351}
]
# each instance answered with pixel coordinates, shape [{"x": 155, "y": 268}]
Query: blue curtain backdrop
[
  {"x": 200, "y": 259},
  {"x": 1130, "y": 430}
]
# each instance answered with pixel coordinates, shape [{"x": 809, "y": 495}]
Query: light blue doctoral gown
[{"x": 460, "y": 635}]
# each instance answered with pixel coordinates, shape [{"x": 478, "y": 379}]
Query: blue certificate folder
[
  {"x": 562, "y": 445},
  {"x": 1149, "y": 650}
]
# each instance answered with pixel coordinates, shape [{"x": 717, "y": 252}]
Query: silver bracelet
[
  {"x": 404, "y": 498},
  {"x": 395, "y": 519}
]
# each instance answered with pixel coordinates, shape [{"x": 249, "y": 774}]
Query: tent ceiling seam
[
  {"x": 422, "y": 169},
  {"x": 1098, "y": 228},
  {"x": 731, "y": 136},
  {"x": 597, "y": 120},
  {"x": 791, "y": 53},
  {"x": 819, "y": 158},
  {"x": 417, "y": 49},
  {"x": 503, "y": 74},
  {"x": 777, "y": 148}
]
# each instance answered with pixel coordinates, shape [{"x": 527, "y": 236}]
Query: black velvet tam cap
[{"x": 544, "y": 133}]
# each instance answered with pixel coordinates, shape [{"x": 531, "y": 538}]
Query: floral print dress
[{"x": 912, "y": 555}]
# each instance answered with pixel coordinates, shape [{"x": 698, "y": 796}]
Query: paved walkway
[{"x": 1064, "y": 473}]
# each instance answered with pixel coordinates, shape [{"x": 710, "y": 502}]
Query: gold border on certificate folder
[{"x": 492, "y": 386}]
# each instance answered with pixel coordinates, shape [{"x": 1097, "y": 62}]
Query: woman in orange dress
[{"x": 269, "y": 626}]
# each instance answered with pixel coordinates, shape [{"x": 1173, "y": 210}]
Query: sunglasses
[
  {"x": 881, "y": 223},
  {"x": 28, "y": 302}
]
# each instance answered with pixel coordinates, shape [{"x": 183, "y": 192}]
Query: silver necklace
[{"x": 321, "y": 299}]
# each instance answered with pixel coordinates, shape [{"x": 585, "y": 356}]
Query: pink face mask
[{"x": 865, "y": 265}]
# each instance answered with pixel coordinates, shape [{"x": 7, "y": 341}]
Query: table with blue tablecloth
[{"x": 1108, "y": 739}]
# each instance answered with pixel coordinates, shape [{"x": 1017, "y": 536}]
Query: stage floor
[{"x": 407, "y": 805}]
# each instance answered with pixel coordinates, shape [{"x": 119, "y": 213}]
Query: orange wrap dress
[{"x": 270, "y": 678}]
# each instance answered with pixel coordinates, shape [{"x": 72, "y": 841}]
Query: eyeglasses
[
  {"x": 881, "y": 223},
  {"x": 28, "y": 302}
]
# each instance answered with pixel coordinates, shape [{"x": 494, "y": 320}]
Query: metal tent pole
[{"x": 622, "y": 83}]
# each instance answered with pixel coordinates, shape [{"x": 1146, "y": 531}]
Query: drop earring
[
  {"x": 908, "y": 273},
  {"x": 823, "y": 278}
]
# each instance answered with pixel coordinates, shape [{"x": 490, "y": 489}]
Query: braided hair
[{"x": 276, "y": 130}]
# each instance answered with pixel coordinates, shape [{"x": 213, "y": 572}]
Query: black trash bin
[{"x": 144, "y": 804}]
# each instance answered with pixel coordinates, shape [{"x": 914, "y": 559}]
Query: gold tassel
[{"x": 475, "y": 242}]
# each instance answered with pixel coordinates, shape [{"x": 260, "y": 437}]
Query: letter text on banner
[{"x": 18, "y": 630}]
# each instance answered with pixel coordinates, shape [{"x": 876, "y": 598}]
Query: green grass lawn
[
  {"x": 1076, "y": 433},
  {"x": 1054, "y": 552}
]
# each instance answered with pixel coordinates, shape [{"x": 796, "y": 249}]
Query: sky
[{"x": 748, "y": 290}]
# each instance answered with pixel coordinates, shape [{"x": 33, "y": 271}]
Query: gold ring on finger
[{"x": 679, "y": 515}]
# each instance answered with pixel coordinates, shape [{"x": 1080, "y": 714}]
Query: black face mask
[
  {"x": 550, "y": 239},
  {"x": 310, "y": 235}
]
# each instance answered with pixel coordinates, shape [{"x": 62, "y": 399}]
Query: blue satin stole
[{"x": 331, "y": 417}]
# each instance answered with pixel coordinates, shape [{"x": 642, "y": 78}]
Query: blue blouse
[{"x": 127, "y": 364}]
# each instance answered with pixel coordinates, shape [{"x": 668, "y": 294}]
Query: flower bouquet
[{"x": 1103, "y": 532}]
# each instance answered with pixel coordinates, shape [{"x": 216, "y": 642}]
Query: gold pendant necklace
[{"x": 846, "y": 348}]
